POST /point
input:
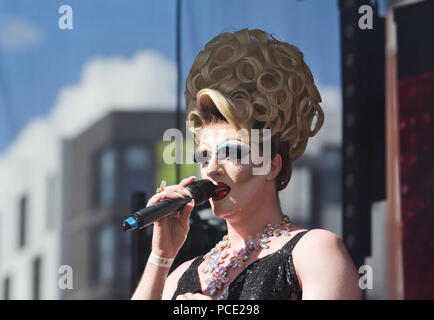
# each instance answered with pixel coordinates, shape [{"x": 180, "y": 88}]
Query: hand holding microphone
[{"x": 170, "y": 211}]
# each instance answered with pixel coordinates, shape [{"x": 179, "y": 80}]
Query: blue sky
[{"x": 33, "y": 71}]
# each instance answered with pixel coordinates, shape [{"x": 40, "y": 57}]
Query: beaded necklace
[{"x": 217, "y": 255}]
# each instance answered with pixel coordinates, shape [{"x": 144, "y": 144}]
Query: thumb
[{"x": 186, "y": 211}]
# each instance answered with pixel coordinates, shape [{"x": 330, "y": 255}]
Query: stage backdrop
[{"x": 416, "y": 113}]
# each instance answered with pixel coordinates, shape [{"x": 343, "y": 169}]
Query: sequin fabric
[{"x": 272, "y": 277}]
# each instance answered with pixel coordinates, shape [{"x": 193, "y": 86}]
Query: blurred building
[
  {"x": 102, "y": 167},
  {"x": 313, "y": 196},
  {"x": 30, "y": 241},
  {"x": 65, "y": 206},
  {"x": 29, "y": 222}
]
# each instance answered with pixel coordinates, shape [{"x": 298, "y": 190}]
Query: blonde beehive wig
[{"x": 255, "y": 81}]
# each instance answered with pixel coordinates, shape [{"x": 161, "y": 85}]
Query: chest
[
  {"x": 262, "y": 271},
  {"x": 267, "y": 274}
]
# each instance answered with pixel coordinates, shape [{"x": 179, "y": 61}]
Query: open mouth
[{"x": 222, "y": 191}]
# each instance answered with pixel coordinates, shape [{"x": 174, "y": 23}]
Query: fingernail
[
  {"x": 179, "y": 195},
  {"x": 187, "y": 192}
]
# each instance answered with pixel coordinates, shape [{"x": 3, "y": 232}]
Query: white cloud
[
  {"x": 17, "y": 33},
  {"x": 331, "y": 98},
  {"x": 331, "y": 131},
  {"x": 145, "y": 81}
]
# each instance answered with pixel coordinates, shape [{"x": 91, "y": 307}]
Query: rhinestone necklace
[{"x": 217, "y": 255}]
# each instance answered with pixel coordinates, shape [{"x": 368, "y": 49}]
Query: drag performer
[{"x": 239, "y": 82}]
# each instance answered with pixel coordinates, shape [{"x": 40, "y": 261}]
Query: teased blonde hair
[{"x": 255, "y": 81}]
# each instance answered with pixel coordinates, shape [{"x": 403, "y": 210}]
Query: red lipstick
[{"x": 222, "y": 191}]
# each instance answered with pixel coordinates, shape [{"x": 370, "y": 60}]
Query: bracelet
[{"x": 159, "y": 261}]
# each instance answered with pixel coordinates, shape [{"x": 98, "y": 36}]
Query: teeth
[{"x": 221, "y": 190}]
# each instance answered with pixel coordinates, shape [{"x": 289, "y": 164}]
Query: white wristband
[{"x": 159, "y": 261}]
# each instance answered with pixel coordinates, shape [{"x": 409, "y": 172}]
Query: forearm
[
  {"x": 168, "y": 236},
  {"x": 152, "y": 283}
]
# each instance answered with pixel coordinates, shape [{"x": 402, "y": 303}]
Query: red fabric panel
[{"x": 416, "y": 115}]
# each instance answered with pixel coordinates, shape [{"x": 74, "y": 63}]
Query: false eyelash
[
  {"x": 200, "y": 156},
  {"x": 228, "y": 153}
]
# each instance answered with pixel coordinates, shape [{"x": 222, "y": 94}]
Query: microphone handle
[{"x": 162, "y": 209}]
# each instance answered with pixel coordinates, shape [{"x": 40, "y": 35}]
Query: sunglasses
[{"x": 230, "y": 150}]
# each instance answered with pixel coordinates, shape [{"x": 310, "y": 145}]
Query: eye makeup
[
  {"x": 202, "y": 156},
  {"x": 232, "y": 150}
]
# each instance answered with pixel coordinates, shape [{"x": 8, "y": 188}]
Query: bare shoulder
[
  {"x": 321, "y": 252},
  {"x": 319, "y": 244},
  {"x": 173, "y": 278},
  {"x": 317, "y": 239}
]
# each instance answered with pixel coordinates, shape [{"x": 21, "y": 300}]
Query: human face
[{"x": 221, "y": 155}]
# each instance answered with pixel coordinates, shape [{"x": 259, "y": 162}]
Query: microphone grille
[{"x": 202, "y": 190}]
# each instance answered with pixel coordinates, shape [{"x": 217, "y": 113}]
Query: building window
[
  {"x": 136, "y": 171},
  {"x": 125, "y": 258},
  {"x": 105, "y": 254},
  {"x": 23, "y": 206},
  {"x": 51, "y": 201},
  {"x": 1, "y": 240},
  {"x": 36, "y": 289},
  {"x": 7, "y": 288},
  {"x": 296, "y": 198},
  {"x": 106, "y": 184},
  {"x": 331, "y": 175},
  {"x": 137, "y": 157}
]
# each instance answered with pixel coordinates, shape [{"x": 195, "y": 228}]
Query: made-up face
[{"x": 224, "y": 158}]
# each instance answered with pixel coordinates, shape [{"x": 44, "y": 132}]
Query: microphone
[{"x": 201, "y": 190}]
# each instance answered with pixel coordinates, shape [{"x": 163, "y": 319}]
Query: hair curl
[{"x": 255, "y": 81}]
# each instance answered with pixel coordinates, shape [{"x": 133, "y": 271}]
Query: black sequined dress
[{"x": 272, "y": 277}]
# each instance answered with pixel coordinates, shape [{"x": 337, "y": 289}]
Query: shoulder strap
[
  {"x": 189, "y": 281},
  {"x": 293, "y": 276},
  {"x": 291, "y": 243},
  {"x": 196, "y": 262}
]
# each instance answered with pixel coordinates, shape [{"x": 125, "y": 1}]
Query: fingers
[
  {"x": 174, "y": 195},
  {"x": 156, "y": 198},
  {"x": 186, "y": 211},
  {"x": 179, "y": 188},
  {"x": 173, "y": 192},
  {"x": 187, "y": 181}
]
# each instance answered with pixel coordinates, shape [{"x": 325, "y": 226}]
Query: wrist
[
  {"x": 169, "y": 254},
  {"x": 160, "y": 261}
]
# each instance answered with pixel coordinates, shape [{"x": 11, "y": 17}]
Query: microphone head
[{"x": 201, "y": 190}]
